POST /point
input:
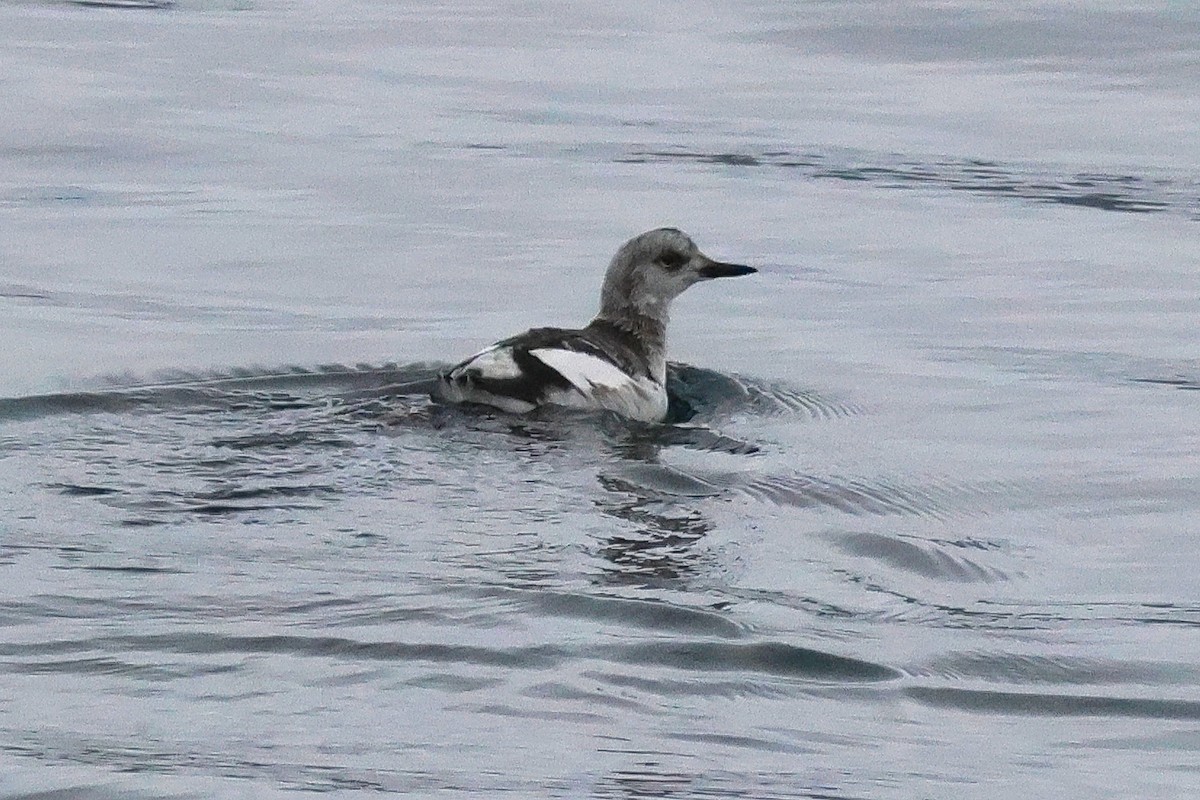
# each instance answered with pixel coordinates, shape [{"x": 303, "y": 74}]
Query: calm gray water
[{"x": 927, "y": 526}]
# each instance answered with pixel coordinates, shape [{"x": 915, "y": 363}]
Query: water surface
[{"x": 923, "y": 524}]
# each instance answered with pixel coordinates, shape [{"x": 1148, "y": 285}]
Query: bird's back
[{"x": 599, "y": 367}]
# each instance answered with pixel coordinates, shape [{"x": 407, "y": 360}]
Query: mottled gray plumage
[{"x": 618, "y": 362}]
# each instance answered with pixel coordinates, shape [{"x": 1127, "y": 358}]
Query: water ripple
[
  {"x": 772, "y": 658},
  {"x": 764, "y": 658},
  {"x": 1120, "y": 192},
  {"x": 697, "y": 392},
  {"x": 1054, "y": 705},
  {"x": 929, "y": 559},
  {"x": 652, "y": 615},
  {"x": 850, "y": 495},
  {"x": 1031, "y": 669},
  {"x": 364, "y": 389}
]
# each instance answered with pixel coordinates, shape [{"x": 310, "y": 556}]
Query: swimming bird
[{"x": 618, "y": 362}]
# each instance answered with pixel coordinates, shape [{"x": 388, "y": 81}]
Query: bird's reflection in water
[
  {"x": 657, "y": 505},
  {"x": 656, "y": 543}
]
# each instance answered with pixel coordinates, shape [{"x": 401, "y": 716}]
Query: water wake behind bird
[{"x": 284, "y": 439}]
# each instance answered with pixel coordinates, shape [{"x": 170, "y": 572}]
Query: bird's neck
[
  {"x": 646, "y": 335},
  {"x": 636, "y": 301}
]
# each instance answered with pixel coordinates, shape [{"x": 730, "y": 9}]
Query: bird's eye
[{"x": 672, "y": 260}]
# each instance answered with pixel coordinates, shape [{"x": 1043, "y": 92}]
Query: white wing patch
[
  {"x": 595, "y": 383},
  {"x": 601, "y": 384},
  {"x": 582, "y": 370},
  {"x": 493, "y": 363}
]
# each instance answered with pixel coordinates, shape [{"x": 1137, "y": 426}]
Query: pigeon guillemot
[{"x": 618, "y": 362}]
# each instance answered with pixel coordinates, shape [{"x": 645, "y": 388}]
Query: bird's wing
[{"x": 553, "y": 365}]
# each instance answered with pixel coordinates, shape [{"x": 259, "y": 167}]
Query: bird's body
[
  {"x": 617, "y": 362},
  {"x": 596, "y": 367}
]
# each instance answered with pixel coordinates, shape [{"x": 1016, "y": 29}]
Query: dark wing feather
[
  {"x": 600, "y": 339},
  {"x": 536, "y": 378}
]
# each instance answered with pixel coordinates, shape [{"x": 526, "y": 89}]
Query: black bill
[{"x": 718, "y": 269}]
